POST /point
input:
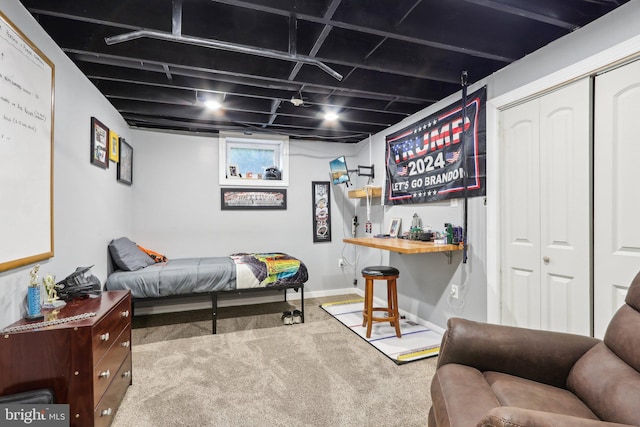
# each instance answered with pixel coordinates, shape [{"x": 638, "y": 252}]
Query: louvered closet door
[
  {"x": 616, "y": 193},
  {"x": 545, "y": 194}
]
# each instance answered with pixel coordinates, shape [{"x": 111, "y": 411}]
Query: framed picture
[
  {"x": 320, "y": 191},
  {"x": 114, "y": 146},
  {"x": 125, "y": 165},
  {"x": 394, "y": 227},
  {"x": 99, "y": 143},
  {"x": 252, "y": 198}
]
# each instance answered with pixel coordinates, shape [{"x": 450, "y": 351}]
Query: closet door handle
[{"x": 545, "y": 259}]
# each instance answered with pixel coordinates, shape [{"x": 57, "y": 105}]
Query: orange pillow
[{"x": 154, "y": 255}]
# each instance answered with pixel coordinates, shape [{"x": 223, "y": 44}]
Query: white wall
[
  {"x": 90, "y": 206},
  {"x": 425, "y": 279},
  {"x": 176, "y": 207}
]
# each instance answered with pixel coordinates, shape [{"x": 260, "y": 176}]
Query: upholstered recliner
[{"x": 492, "y": 375}]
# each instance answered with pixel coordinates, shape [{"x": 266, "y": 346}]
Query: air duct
[{"x": 217, "y": 44}]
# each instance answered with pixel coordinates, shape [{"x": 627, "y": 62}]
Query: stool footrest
[{"x": 384, "y": 319}]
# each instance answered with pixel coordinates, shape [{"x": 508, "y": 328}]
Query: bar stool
[{"x": 390, "y": 274}]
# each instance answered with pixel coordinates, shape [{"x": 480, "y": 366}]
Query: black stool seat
[{"x": 380, "y": 270}]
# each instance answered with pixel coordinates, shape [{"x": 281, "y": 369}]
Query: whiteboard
[{"x": 26, "y": 150}]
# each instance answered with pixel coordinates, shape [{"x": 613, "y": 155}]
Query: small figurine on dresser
[{"x": 53, "y": 301}]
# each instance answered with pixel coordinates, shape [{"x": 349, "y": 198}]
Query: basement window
[{"x": 254, "y": 160}]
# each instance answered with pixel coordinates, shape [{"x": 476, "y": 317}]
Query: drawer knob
[
  {"x": 126, "y": 374},
  {"x": 104, "y": 337},
  {"x": 125, "y": 313},
  {"x": 126, "y": 343},
  {"x": 105, "y": 374},
  {"x": 105, "y": 412}
]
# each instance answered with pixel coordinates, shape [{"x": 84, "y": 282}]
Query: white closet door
[
  {"x": 545, "y": 251},
  {"x": 565, "y": 209},
  {"x": 616, "y": 194},
  {"x": 520, "y": 249}
]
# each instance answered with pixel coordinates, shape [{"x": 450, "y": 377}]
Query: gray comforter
[
  {"x": 177, "y": 277},
  {"x": 183, "y": 276}
]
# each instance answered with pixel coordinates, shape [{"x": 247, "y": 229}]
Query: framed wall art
[
  {"x": 114, "y": 146},
  {"x": 125, "y": 165},
  {"x": 99, "y": 143},
  {"x": 394, "y": 227},
  {"x": 321, "y": 208},
  {"x": 252, "y": 198},
  {"x": 26, "y": 142}
]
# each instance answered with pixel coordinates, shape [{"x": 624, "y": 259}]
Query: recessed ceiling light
[
  {"x": 331, "y": 116},
  {"x": 212, "y": 104}
]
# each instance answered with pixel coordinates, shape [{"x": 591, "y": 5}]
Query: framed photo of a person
[
  {"x": 125, "y": 165},
  {"x": 394, "y": 227},
  {"x": 99, "y": 143}
]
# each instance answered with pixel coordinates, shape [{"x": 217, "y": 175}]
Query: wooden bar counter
[{"x": 403, "y": 246}]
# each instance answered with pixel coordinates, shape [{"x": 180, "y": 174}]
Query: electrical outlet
[
  {"x": 340, "y": 262},
  {"x": 455, "y": 292}
]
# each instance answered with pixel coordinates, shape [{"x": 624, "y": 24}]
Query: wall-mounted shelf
[
  {"x": 362, "y": 192},
  {"x": 403, "y": 246}
]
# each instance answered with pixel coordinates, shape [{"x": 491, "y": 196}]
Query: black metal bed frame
[{"x": 141, "y": 302}]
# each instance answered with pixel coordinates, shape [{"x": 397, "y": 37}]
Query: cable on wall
[
  {"x": 368, "y": 188},
  {"x": 463, "y": 81}
]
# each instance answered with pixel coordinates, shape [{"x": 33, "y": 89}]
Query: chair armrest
[
  {"x": 509, "y": 416},
  {"x": 542, "y": 356}
]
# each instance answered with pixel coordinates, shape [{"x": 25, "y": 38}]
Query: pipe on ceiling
[{"x": 217, "y": 44}]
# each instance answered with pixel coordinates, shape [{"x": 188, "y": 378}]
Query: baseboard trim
[{"x": 204, "y": 303}]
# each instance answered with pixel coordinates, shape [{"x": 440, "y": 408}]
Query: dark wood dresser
[{"x": 87, "y": 362}]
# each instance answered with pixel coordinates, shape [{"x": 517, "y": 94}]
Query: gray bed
[{"x": 150, "y": 280}]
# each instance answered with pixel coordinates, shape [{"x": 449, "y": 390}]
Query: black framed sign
[
  {"x": 321, "y": 192},
  {"x": 252, "y": 198}
]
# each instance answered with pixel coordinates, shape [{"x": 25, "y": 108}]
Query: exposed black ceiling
[{"x": 395, "y": 57}]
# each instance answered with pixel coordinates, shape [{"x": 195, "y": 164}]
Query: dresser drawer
[
  {"x": 108, "y": 405},
  {"x": 104, "y": 372},
  {"x": 110, "y": 327}
]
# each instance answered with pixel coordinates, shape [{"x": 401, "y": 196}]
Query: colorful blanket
[{"x": 255, "y": 270}]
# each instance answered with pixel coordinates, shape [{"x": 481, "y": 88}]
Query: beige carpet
[{"x": 313, "y": 374}]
